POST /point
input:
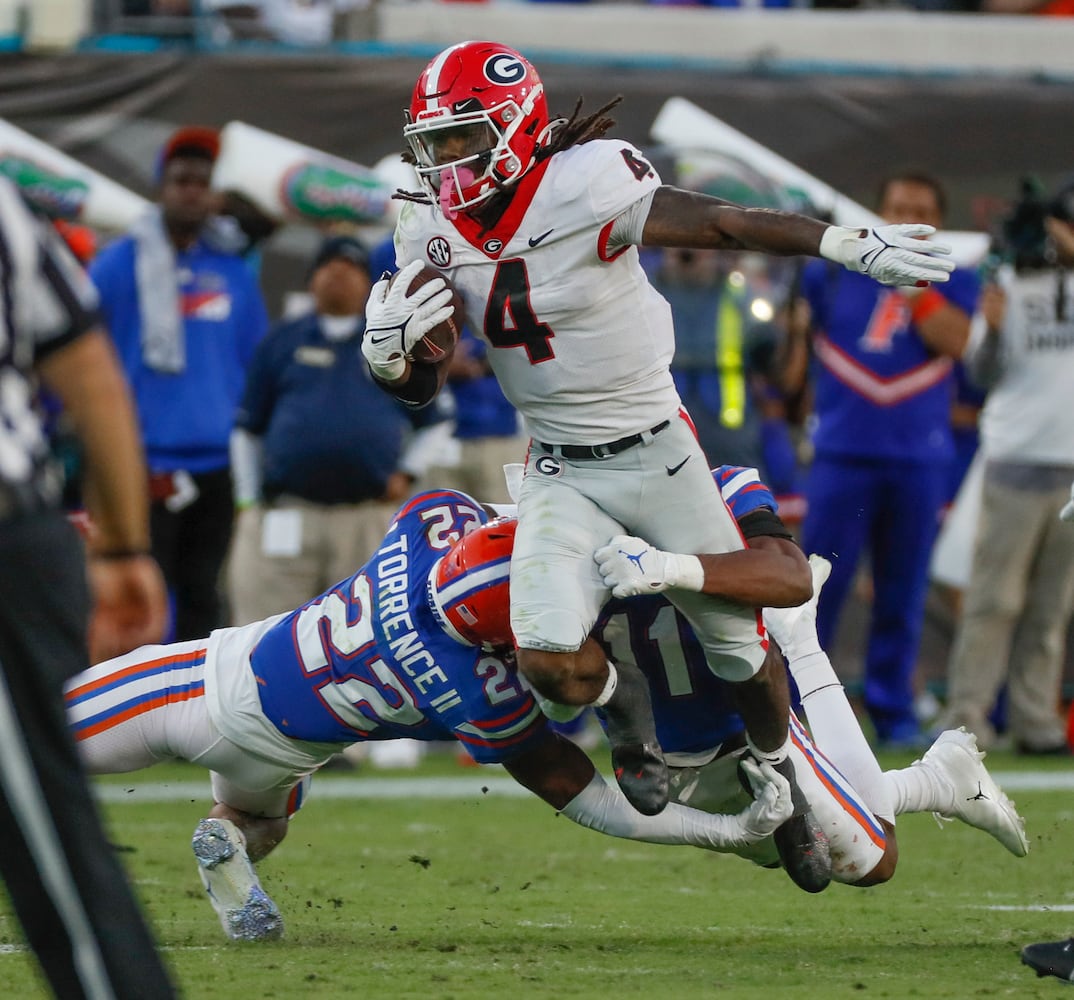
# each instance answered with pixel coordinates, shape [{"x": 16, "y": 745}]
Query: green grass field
[{"x": 490, "y": 896}]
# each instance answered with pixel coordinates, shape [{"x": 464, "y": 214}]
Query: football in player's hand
[{"x": 439, "y": 343}]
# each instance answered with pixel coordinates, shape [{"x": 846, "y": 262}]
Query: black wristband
[
  {"x": 113, "y": 554},
  {"x": 764, "y": 522},
  {"x": 419, "y": 389}
]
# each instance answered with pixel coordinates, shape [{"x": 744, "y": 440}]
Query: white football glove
[
  {"x": 771, "y": 806},
  {"x": 631, "y": 566},
  {"x": 1067, "y": 513},
  {"x": 795, "y": 629},
  {"x": 395, "y": 321},
  {"x": 890, "y": 254}
]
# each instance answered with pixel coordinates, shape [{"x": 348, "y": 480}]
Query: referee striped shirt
[{"x": 46, "y": 301}]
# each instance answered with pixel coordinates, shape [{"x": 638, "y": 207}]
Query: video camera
[{"x": 1022, "y": 239}]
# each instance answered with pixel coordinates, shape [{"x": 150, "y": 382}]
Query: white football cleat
[
  {"x": 245, "y": 910},
  {"x": 978, "y": 800}
]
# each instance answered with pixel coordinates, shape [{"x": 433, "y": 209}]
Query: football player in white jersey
[{"x": 536, "y": 222}]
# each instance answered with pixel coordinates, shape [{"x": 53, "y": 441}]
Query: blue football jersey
[
  {"x": 367, "y": 660},
  {"x": 879, "y": 390},
  {"x": 743, "y": 491},
  {"x": 691, "y": 705}
]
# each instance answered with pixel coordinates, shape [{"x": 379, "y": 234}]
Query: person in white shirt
[{"x": 1020, "y": 596}]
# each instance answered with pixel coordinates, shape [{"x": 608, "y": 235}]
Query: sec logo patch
[
  {"x": 548, "y": 465},
  {"x": 439, "y": 251}
]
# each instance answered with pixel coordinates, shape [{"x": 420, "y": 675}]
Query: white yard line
[
  {"x": 474, "y": 787},
  {"x": 1034, "y": 781},
  {"x": 1034, "y": 908}
]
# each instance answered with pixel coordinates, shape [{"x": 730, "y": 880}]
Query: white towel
[{"x": 157, "y": 280}]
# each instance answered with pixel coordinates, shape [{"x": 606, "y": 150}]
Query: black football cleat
[
  {"x": 637, "y": 759},
  {"x": 801, "y": 842},
  {"x": 642, "y": 775},
  {"x": 804, "y": 850},
  {"x": 1051, "y": 958}
]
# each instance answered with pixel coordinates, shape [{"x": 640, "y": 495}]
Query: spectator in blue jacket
[
  {"x": 322, "y": 456},
  {"x": 186, "y": 315}
]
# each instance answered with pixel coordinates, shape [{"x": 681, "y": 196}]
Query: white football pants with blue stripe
[
  {"x": 148, "y": 706},
  {"x": 856, "y": 836}
]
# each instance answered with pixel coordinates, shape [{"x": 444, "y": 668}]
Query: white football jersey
[{"x": 580, "y": 341}]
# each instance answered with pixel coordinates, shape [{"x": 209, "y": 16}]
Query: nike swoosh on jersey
[
  {"x": 534, "y": 240},
  {"x": 671, "y": 471}
]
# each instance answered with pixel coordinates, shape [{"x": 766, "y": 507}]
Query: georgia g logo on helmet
[{"x": 504, "y": 69}]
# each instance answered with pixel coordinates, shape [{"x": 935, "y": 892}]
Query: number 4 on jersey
[
  {"x": 636, "y": 165},
  {"x": 510, "y": 320}
]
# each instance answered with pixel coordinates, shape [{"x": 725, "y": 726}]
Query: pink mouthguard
[{"x": 447, "y": 187}]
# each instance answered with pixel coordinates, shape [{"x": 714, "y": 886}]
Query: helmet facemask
[{"x": 463, "y": 159}]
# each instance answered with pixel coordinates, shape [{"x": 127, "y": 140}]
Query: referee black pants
[{"x": 65, "y": 882}]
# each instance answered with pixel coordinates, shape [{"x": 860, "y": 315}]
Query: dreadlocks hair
[
  {"x": 574, "y": 130},
  {"x": 421, "y": 197}
]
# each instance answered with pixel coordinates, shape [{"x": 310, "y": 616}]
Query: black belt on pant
[{"x": 592, "y": 452}]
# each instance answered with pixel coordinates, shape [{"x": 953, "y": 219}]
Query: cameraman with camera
[{"x": 1020, "y": 597}]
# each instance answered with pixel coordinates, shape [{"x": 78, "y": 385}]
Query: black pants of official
[
  {"x": 191, "y": 544},
  {"x": 65, "y": 882}
]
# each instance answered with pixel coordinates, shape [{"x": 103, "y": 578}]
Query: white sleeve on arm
[
  {"x": 602, "y": 807},
  {"x": 630, "y": 225}
]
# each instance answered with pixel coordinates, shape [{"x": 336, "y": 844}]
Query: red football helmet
[
  {"x": 476, "y": 119},
  {"x": 468, "y": 588}
]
